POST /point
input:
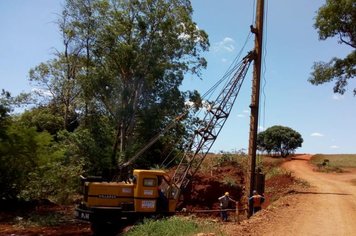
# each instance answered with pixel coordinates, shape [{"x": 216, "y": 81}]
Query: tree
[
  {"x": 336, "y": 18},
  {"x": 148, "y": 46},
  {"x": 123, "y": 62},
  {"x": 279, "y": 139},
  {"x": 4, "y": 113}
]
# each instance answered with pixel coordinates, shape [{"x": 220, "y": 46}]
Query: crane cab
[{"x": 148, "y": 192}]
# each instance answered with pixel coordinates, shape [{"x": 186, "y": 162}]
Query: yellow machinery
[{"x": 150, "y": 193}]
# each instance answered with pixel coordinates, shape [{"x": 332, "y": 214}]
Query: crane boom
[
  {"x": 215, "y": 117},
  {"x": 153, "y": 140}
]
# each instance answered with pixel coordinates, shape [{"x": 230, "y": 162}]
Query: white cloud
[
  {"x": 337, "y": 97},
  {"x": 224, "y": 60},
  {"x": 227, "y": 45},
  {"x": 42, "y": 92},
  {"x": 316, "y": 134},
  {"x": 246, "y": 111},
  {"x": 241, "y": 116},
  {"x": 189, "y": 103},
  {"x": 334, "y": 147},
  {"x": 261, "y": 128}
]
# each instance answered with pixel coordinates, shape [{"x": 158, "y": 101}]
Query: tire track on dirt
[{"x": 327, "y": 208}]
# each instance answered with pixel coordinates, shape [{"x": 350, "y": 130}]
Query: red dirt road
[{"x": 327, "y": 208}]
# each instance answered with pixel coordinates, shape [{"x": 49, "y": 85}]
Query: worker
[
  {"x": 162, "y": 201},
  {"x": 224, "y": 204},
  {"x": 256, "y": 201}
]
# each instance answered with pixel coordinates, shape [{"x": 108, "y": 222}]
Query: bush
[
  {"x": 54, "y": 181},
  {"x": 173, "y": 226}
]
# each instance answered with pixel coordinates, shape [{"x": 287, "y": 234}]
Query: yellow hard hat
[{"x": 226, "y": 193}]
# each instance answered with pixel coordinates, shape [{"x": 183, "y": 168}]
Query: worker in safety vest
[
  {"x": 256, "y": 200},
  {"x": 224, "y": 204}
]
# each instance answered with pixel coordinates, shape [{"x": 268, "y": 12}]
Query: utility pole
[{"x": 255, "y": 96}]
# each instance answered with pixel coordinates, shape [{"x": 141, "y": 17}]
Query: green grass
[
  {"x": 174, "y": 226},
  {"x": 337, "y": 160},
  {"x": 276, "y": 171}
]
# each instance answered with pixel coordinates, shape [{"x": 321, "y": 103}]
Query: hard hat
[
  {"x": 227, "y": 194},
  {"x": 254, "y": 192}
]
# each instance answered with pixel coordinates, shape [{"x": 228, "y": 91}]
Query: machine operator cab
[
  {"x": 153, "y": 191},
  {"x": 148, "y": 192}
]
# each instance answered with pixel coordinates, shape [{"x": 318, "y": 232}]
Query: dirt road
[{"x": 327, "y": 208}]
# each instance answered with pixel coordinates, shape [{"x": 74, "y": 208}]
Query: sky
[{"x": 325, "y": 120}]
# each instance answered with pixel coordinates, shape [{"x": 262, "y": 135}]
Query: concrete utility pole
[{"x": 255, "y": 96}]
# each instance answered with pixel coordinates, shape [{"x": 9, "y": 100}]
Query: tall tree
[
  {"x": 141, "y": 52},
  {"x": 279, "y": 139},
  {"x": 125, "y": 60},
  {"x": 336, "y": 18}
]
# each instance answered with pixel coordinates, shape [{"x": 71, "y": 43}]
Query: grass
[
  {"x": 174, "y": 226},
  {"x": 336, "y": 160}
]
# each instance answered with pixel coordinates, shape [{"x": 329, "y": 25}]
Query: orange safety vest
[{"x": 256, "y": 201}]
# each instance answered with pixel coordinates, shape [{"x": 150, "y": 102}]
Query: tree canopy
[
  {"x": 279, "y": 139},
  {"x": 122, "y": 62},
  {"x": 113, "y": 85},
  {"x": 337, "y": 18}
]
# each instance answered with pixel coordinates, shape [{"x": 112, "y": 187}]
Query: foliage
[
  {"x": 279, "y": 139},
  {"x": 55, "y": 181},
  {"x": 92, "y": 144},
  {"x": 99, "y": 100},
  {"x": 125, "y": 61},
  {"x": 21, "y": 151},
  {"x": 173, "y": 226},
  {"x": 43, "y": 119},
  {"x": 33, "y": 167},
  {"x": 4, "y": 113},
  {"x": 336, "y": 18}
]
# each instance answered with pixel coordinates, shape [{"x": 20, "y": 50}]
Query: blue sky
[{"x": 325, "y": 120}]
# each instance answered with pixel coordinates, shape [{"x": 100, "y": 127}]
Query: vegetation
[
  {"x": 336, "y": 18},
  {"x": 335, "y": 160},
  {"x": 174, "y": 226},
  {"x": 279, "y": 139},
  {"x": 113, "y": 85}
]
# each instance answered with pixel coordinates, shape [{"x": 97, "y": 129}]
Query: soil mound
[{"x": 206, "y": 187}]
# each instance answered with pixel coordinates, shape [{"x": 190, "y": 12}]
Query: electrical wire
[
  {"x": 230, "y": 69},
  {"x": 253, "y": 12},
  {"x": 265, "y": 66},
  {"x": 264, "y": 69}
]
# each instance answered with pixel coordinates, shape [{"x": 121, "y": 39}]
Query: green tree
[
  {"x": 57, "y": 87},
  {"x": 21, "y": 151},
  {"x": 124, "y": 61},
  {"x": 148, "y": 46},
  {"x": 4, "y": 113},
  {"x": 279, "y": 139},
  {"x": 33, "y": 166},
  {"x": 43, "y": 118},
  {"x": 336, "y": 18}
]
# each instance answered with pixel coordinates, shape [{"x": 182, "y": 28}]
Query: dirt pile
[{"x": 207, "y": 187}]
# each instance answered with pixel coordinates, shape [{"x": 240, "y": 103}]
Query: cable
[
  {"x": 253, "y": 12},
  {"x": 230, "y": 69},
  {"x": 264, "y": 69},
  {"x": 265, "y": 66}
]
